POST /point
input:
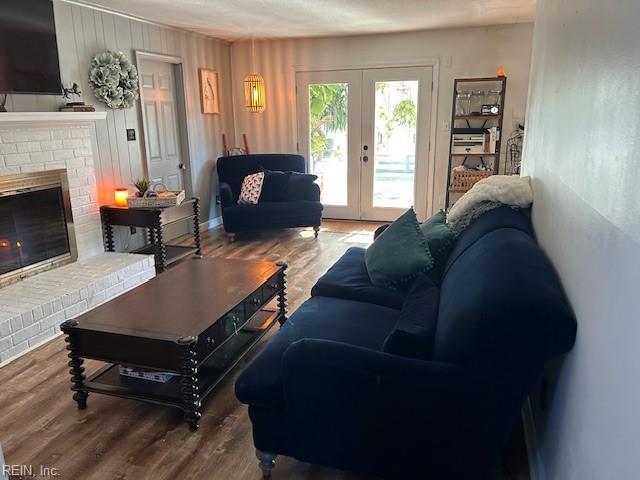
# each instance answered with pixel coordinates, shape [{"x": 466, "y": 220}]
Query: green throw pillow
[
  {"x": 399, "y": 254},
  {"x": 440, "y": 238}
]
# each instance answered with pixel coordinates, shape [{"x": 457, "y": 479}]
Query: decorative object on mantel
[
  {"x": 157, "y": 195},
  {"x": 209, "y": 91},
  {"x": 235, "y": 150},
  {"x": 114, "y": 80},
  {"x": 254, "y": 93},
  {"x": 67, "y": 93},
  {"x": 3, "y": 102}
]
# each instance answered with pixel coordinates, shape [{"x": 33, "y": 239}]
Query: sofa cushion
[
  {"x": 251, "y": 188},
  {"x": 348, "y": 279},
  {"x": 502, "y": 310},
  {"x": 274, "y": 184},
  {"x": 355, "y": 323},
  {"x": 272, "y": 215},
  {"x": 399, "y": 254},
  {"x": 440, "y": 238},
  {"x": 416, "y": 326}
]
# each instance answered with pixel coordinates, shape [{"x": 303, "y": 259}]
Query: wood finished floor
[
  {"x": 116, "y": 439},
  {"x": 122, "y": 439}
]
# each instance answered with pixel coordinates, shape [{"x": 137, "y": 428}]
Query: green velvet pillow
[
  {"x": 399, "y": 254},
  {"x": 440, "y": 238}
]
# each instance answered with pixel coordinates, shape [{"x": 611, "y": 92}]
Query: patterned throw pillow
[{"x": 251, "y": 188}]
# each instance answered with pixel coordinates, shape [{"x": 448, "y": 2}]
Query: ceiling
[{"x": 241, "y": 19}]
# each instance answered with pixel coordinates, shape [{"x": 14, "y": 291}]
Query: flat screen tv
[{"x": 28, "y": 48}]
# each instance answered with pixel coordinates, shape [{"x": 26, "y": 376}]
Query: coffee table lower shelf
[{"x": 210, "y": 373}]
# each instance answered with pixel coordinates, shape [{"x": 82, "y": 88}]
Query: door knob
[
  {"x": 365, "y": 159},
  {"x": 365, "y": 147},
  {"x": 182, "y": 166}
]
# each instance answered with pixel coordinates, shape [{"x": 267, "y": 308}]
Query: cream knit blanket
[{"x": 492, "y": 192}]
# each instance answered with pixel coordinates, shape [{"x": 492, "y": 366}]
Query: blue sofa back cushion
[
  {"x": 416, "y": 326},
  {"x": 232, "y": 169},
  {"x": 348, "y": 278},
  {"x": 502, "y": 309},
  {"x": 502, "y": 217}
]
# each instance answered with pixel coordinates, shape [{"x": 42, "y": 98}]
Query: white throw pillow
[{"x": 251, "y": 188}]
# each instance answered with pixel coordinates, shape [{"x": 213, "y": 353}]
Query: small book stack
[
  {"x": 77, "y": 107},
  {"x": 143, "y": 374}
]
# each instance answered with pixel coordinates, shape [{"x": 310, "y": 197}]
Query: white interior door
[
  {"x": 329, "y": 123},
  {"x": 365, "y": 134},
  {"x": 158, "y": 85}
]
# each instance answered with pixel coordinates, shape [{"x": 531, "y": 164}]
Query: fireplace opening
[{"x": 35, "y": 224}]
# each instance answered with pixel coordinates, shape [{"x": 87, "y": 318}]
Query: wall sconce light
[{"x": 121, "y": 195}]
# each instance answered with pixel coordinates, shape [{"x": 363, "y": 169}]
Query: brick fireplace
[{"x": 52, "y": 144}]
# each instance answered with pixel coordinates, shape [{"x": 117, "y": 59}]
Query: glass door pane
[
  {"x": 328, "y": 140},
  {"x": 396, "y": 115}
]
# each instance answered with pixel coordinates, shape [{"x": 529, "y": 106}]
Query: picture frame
[{"x": 209, "y": 91}]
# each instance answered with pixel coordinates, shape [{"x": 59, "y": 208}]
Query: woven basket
[
  {"x": 463, "y": 180},
  {"x": 165, "y": 198}
]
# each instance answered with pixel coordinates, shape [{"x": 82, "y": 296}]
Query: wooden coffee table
[{"x": 195, "y": 321}]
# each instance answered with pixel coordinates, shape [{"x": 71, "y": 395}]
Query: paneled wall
[
  {"x": 83, "y": 32},
  {"x": 462, "y": 52}
]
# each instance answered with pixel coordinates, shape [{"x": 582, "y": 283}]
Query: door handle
[
  {"x": 182, "y": 166},
  {"x": 365, "y": 159}
]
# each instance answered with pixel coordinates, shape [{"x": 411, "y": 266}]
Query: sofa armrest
[
  {"x": 314, "y": 193},
  {"x": 226, "y": 195},
  {"x": 381, "y": 404}
]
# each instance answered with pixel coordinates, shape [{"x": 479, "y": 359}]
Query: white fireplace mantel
[{"x": 49, "y": 118}]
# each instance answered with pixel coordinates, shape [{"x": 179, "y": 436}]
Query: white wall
[
  {"x": 83, "y": 32},
  {"x": 465, "y": 52},
  {"x": 583, "y": 150}
]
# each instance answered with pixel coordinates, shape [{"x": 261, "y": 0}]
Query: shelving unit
[{"x": 475, "y": 121}]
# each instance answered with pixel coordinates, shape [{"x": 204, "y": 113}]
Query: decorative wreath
[{"x": 114, "y": 80}]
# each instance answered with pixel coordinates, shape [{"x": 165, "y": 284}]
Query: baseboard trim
[
  {"x": 211, "y": 223},
  {"x": 24, "y": 352},
  {"x": 536, "y": 467}
]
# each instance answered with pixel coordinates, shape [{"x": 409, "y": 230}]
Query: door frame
[
  {"x": 181, "y": 112},
  {"x": 433, "y": 62}
]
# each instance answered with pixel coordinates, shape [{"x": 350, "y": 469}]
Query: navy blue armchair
[
  {"x": 324, "y": 389},
  {"x": 302, "y": 210}
]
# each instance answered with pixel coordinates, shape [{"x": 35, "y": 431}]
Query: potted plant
[{"x": 142, "y": 184}]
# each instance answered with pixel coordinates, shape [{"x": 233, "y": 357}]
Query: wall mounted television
[{"x": 28, "y": 49}]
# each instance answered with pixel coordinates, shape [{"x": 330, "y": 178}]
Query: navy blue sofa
[
  {"x": 304, "y": 211},
  {"x": 324, "y": 391}
]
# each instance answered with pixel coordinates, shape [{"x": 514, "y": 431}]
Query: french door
[{"x": 365, "y": 134}]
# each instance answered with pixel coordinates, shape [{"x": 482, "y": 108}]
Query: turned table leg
[
  {"x": 282, "y": 294},
  {"x": 196, "y": 226},
  {"x": 189, "y": 383},
  {"x": 75, "y": 365}
]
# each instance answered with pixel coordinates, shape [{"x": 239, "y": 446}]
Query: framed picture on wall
[{"x": 209, "y": 91}]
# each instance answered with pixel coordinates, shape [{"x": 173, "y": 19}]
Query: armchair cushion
[
  {"x": 416, "y": 327},
  {"x": 348, "y": 279},
  {"x": 239, "y": 218},
  {"x": 355, "y": 323},
  {"x": 286, "y": 186}
]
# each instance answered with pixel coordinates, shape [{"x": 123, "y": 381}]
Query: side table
[{"x": 154, "y": 219}]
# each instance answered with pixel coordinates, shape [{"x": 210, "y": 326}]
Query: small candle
[{"x": 121, "y": 195}]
